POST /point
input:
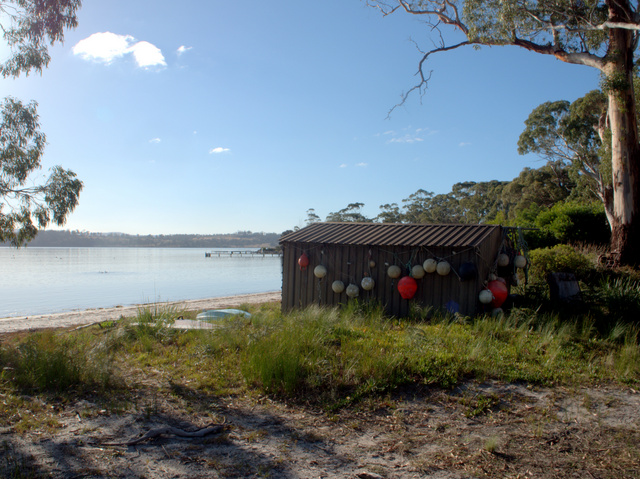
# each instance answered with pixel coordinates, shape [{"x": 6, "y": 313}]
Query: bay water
[{"x": 51, "y": 280}]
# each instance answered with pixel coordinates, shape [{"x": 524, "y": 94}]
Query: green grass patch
[{"x": 328, "y": 357}]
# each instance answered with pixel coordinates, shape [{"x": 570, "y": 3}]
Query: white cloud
[
  {"x": 463, "y": 144},
  {"x": 183, "y": 49},
  {"x": 362, "y": 164},
  {"x": 105, "y": 47},
  {"x": 343, "y": 165},
  {"x": 406, "y": 139},
  {"x": 218, "y": 150},
  {"x": 147, "y": 55},
  {"x": 155, "y": 140}
]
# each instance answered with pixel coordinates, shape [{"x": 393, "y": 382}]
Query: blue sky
[{"x": 218, "y": 116}]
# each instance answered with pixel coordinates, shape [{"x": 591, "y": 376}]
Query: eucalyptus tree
[
  {"x": 574, "y": 135},
  {"x": 352, "y": 213},
  {"x": 602, "y": 34},
  {"x": 28, "y": 27}
]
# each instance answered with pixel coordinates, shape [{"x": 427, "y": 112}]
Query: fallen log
[{"x": 169, "y": 430}]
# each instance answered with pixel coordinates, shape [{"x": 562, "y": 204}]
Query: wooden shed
[{"x": 351, "y": 252}]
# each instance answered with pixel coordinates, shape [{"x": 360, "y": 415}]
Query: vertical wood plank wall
[{"x": 349, "y": 263}]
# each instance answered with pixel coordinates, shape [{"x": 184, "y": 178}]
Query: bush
[
  {"x": 575, "y": 222},
  {"x": 558, "y": 259}
]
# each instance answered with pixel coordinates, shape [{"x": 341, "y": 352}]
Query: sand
[{"x": 89, "y": 316}]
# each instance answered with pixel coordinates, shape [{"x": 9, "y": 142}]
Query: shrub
[
  {"x": 575, "y": 222},
  {"x": 558, "y": 259}
]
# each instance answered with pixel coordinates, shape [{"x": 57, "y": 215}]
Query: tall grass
[
  {"x": 327, "y": 356},
  {"x": 56, "y": 363}
]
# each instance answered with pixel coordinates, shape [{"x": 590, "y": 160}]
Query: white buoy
[
  {"x": 337, "y": 286},
  {"x": 367, "y": 283},
  {"x": 485, "y": 296},
  {"x": 353, "y": 291},
  {"x": 417, "y": 272},
  {"x": 394, "y": 271},
  {"x": 520, "y": 261},
  {"x": 320, "y": 271},
  {"x": 443, "y": 268},
  {"x": 430, "y": 265}
]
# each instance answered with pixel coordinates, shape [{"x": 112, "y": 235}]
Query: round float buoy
[
  {"x": 503, "y": 260},
  {"x": 320, "y": 271},
  {"x": 417, "y": 272},
  {"x": 367, "y": 283},
  {"x": 337, "y": 286},
  {"x": 430, "y": 265},
  {"x": 303, "y": 261},
  {"x": 407, "y": 287},
  {"x": 485, "y": 296},
  {"x": 443, "y": 268},
  {"x": 520, "y": 261},
  {"x": 353, "y": 291},
  {"x": 372, "y": 264},
  {"x": 394, "y": 271},
  {"x": 499, "y": 291},
  {"x": 497, "y": 312}
]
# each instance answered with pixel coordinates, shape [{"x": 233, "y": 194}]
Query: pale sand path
[{"x": 89, "y": 316}]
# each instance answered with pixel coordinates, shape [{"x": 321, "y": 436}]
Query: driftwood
[{"x": 168, "y": 430}]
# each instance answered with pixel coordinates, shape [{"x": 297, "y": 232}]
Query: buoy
[
  {"x": 430, "y": 265},
  {"x": 485, "y": 296},
  {"x": 372, "y": 264},
  {"x": 407, "y": 287},
  {"x": 499, "y": 291},
  {"x": 503, "y": 260},
  {"x": 367, "y": 283},
  {"x": 303, "y": 261},
  {"x": 353, "y": 291},
  {"x": 443, "y": 268},
  {"x": 497, "y": 312},
  {"x": 337, "y": 286},
  {"x": 417, "y": 272},
  {"x": 394, "y": 271},
  {"x": 520, "y": 261},
  {"x": 320, "y": 271}
]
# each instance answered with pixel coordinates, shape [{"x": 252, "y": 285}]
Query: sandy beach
[{"x": 89, "y": 316}]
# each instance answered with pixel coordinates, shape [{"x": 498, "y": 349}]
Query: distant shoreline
[
  {"x": 85, "y": 239},
  {"x": 89, "y": 316}
]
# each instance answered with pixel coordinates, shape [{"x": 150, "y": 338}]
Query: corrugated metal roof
[{"x": 391, "y": 234}]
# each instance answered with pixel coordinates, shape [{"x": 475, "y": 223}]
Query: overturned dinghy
[{"x": 213, "y": 314}]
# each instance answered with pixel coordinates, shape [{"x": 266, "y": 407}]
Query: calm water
[{"x": 50, "y": 280}]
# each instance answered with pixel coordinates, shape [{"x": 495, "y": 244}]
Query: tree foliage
[
  {"x": 602, "y": 34},
  {"x": 26, "y": 205}
]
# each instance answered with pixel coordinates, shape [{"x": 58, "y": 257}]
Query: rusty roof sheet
[{"x": 391, "y": 234}]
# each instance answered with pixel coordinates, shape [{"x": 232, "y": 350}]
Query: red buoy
[
  {"x": 303, "y": 261},
  {"x": 407, "y": 287},
  {"x": 499, "y": 291}
]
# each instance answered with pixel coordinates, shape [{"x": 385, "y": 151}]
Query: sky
[{"x": 209, "y": 117}]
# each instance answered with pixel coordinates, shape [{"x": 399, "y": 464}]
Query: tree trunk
[{"x": 625, "y": 151}]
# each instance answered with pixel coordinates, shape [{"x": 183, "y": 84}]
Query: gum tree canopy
[
  {"x": 28, "y": 27},
  {"x": 602, "y": 34}
]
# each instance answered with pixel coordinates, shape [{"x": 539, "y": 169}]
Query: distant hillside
[{"x": 245, "y": 239}]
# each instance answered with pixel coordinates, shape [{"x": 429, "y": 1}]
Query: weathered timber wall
[{"x": 351, "y": 263}]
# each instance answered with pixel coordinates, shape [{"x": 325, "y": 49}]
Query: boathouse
[{"x": 447, "y": 265}]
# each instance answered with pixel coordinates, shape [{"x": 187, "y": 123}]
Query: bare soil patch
[{"x": 477, "y": 430}]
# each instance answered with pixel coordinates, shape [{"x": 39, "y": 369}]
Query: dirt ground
[{"x": 479, "y": 430}]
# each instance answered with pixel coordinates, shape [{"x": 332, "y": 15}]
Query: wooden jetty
[{"x": 242, "y": 252}]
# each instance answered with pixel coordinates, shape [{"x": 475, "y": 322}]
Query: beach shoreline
[{"x": 96, "y": 315}]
